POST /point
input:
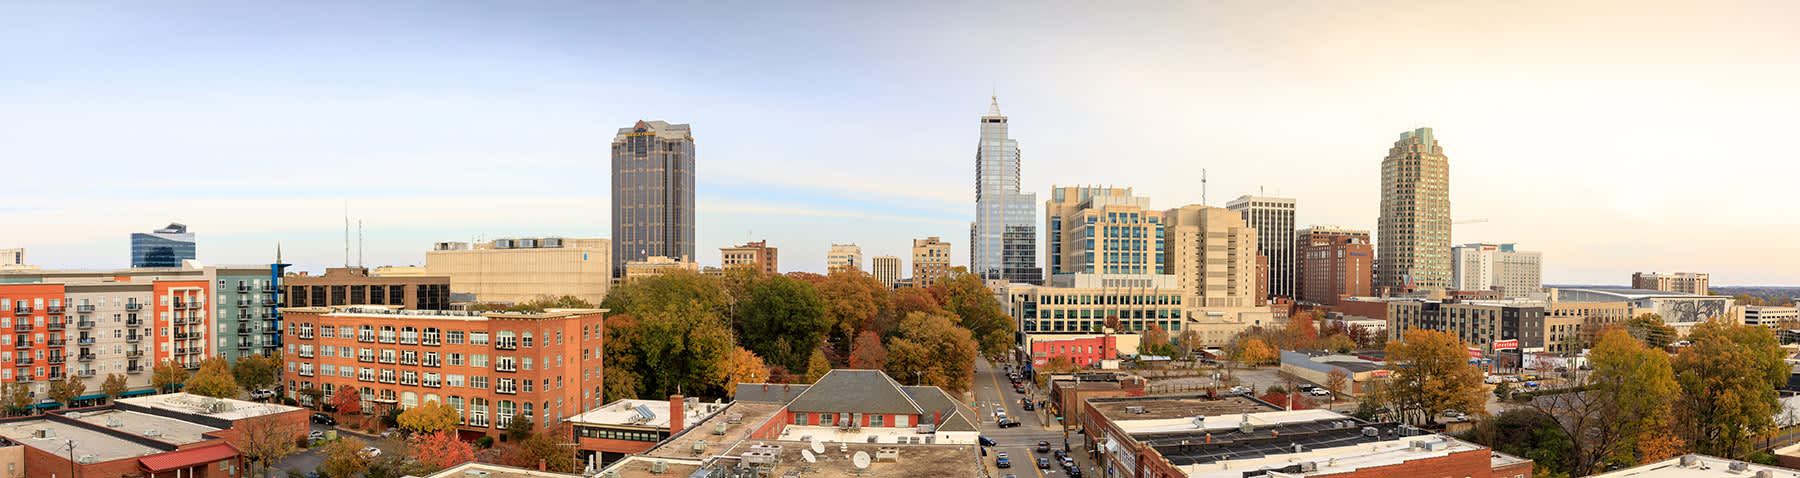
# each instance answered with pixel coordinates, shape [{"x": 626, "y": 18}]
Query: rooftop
[
  {"x": 635, "y": 467},
  {"x": 836, "y": 461},
  {"x": 498, "y": 471},
  {"x": 1175, "y": 406},
  {"x": 1343, "y": 459},
  {"x": 377, "y": 311},
  {"x": 748, "y": 415},
  {"x": 220, "y": 408},
  {"x": 1626, "y": 293},
  {"x": 625, "y": 413},
  {"x": 104, "y": 447},
  {"x": 167, "y": 429},
  {"x": 1699, "y": 466}
]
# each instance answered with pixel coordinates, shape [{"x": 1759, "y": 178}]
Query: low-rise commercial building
[
  {"x": 1697, "y": 283},
  {"x": 629, "y": 426},
  {"x": 511, "y": 271},
  {"x": 164, "y": 435},
  {"x": 753, "y": 254},
  {"x": 1069, "y": 394},
  {"x": 1700, "y": 466},
  {"x": 1769, "y": 315},
  {"x": 1487, "y": 327},
  {"x": 1082, "y": 350},
  {"x": 1317, "y": 366},
  {"x": 1678, "y": 309}
]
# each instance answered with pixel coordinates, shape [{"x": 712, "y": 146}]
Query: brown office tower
[
  {"x": 354, "y": 286},
  {"x": 1333, "y": 263},
  {"x": 652, "y": 193}
]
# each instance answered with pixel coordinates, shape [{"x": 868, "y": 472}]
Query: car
[
  {"x": 316, "y": 436},
  {"x": 985, "y": 441},
  {"x": 1027, "y": 405},
  {"x": 1019, "y": 389},
  {"x": 1492, "y": 379},
  {"x": 1059, "y": 454},
  {"x": 1007, "y": 423},
  {"x": 1530, "y": 376},
  {"x": 1044, "y": 463},
  {"x": 1075, "y": 471},
  {"x": 1238, "y": 390},
  {"x": 1002, "y": 461},
  {"x": 1531, "y": 384},
  {"x": 1320, "y": 392},
  {"x": 1043, "y": 447},
  {"x": 323, "y": 419},
  {"x": 262, "y": 394},
  {"x": 371, "y": 452}
]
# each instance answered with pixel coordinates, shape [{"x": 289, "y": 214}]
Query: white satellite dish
[
  {"x": 861, "y": 460},
  {"x": 808, "y": 455},
  {"x": 818, "y": 447}
]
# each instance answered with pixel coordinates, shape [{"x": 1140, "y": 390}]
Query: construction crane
[{"x": 1469, "y": 221}]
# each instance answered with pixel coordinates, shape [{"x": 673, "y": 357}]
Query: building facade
[
  {"x": 492, "y": 368},
  {"x": 512, "y": 271},
  {"x": 1480, "y": 267},
  {"x": 165, "y": 247},
  {"x": 931, "y": 261},
  {"x": 354, "y": 286},
  {"x": 1003, "y": 238},
  {"x": 1213, "y": 253},
  {"x": 754, "y": 254},
  {"x": 1095, "y": 230},
  {"x": 652, "y": 192},
  {"x": 1414, "y": 233},
  {"x": 658, "y": 265},
  {"x": 1273, "y": 219},
  {"x": 1684, "y": 282},
  {"x": 886, "y": 269},
  {"x": 1769, "y": 315},
  {"x": 1481, "y": 324},
  {"x": 844, "y": 257},
  {"x": 1333, "y": 263}
]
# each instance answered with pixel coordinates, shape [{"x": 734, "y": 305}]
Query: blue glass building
[{"x": 165, "y": 247}]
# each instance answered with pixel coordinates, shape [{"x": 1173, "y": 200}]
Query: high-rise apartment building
[
  {"x": 1273, "y": 219},
  {"x": 1413, "y": 243},
  {"x": 519, "y": 270},
  {"x": 1476, "y": 267},
  {"x": 1213, "y": 252},
  {"x": 931, "y": 261},
  {"x": 843, "y": 257},
  {"x": 1333, "y": 263},
  {"x": 1003, "y": 239},
  {"x": 1102, "y": 230},
  {"x": 754, "y": 254},
  {"x": 1688, "y": 282},
  {"x": 165, "y": 247},
  {"x": 652, "y": 192},
  {"x": 886, "y": 269}
]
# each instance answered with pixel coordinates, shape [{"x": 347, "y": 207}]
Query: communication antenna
[
  {"x": 817, "y": 447},
  {"x": 1202, "y": 186},
  {"x": 808, "y": 455},
  {"x": 346, "y": 233},
  {"x": 860, "y": 459},
  {"x": 359, "y": 243}
]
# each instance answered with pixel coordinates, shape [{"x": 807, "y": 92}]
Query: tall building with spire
[
  {"x": 1003, "y": 238},
  {"x": 652, "y": 193},
  {"x": 1412, "y": 246}
]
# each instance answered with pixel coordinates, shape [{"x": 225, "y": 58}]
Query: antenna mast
[
  {"x": 346, "y": 233},
  {"x": 359, "y": 243},
  {"x": 1202, "y": 186}
]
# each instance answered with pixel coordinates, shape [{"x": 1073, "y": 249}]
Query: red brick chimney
[
  {"x": 541, "y": 464},
  {"x": 676, "y": 413}
]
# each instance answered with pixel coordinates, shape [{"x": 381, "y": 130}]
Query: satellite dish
[
  {"x": 861, "y": 460},
  {"x": 817, "y": 447},
  {"x": 808, "y": 455}
]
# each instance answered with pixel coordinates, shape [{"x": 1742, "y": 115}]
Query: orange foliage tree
[{"x": 441, "y": 450}]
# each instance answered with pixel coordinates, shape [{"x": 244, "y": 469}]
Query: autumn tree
[
  {"x": 783, "y": 321},
  {"x": 908, "y": 300},
  {"x": 256, "y": 371},
  {"x": 167, "y": 375},
  {"x": 743, "y": 367},
  {"x": 346, "y": 400},
  {"x": 1302, "y": 331},
  {"x": 817, "y": 366},
  {"x": 930, "y": 349},
  {"x": 17, "y": 398},
  {"x": 114, "y": 386},
  {"x": 1187, "y": 343},
  {"x": 265, "y": 442},
  {"x": 550, "y": 448},
  {"x": 868, "y": 353},
  {"x": 1337, "y": 343},
  {"x": 214, "y": 379},
  {"x": 1336, "y": 380},
  {"x": 440, "y": 450},
  {"x": 1255, "y": 352},
  {"x": 972, "y": 302},
  {"x": 1432, "y": 375},
  {"x": 1650, "y": 329},
  {"x": 344, "y": 458},
  {"x": 1628, "y": 393},
  {"x": 1153, "y": 341},
  {"x": 854, "y": 303},
  {"x": 314, "y": 396},
  {"x": 546, "y": 302},
  {"x": 1728, "y": 380},
  {"x": 65, "y": 390},
  {"x": 428, "y": 417},
  {"x": 621, "y": 379}
]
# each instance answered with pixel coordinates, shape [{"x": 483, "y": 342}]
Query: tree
[
  {"x": 441, "y": 449},
  {"x": 868, "y": 353},
  {"x": 679, "y": 345},
  {"x": 546, "y": 302},
  {"x": 114, "y": 386},
  {"x": 1503, "y": 391},
  {"x": 1153, "y": 341},
  {"x": 266, "y": 441},
  {"x": 1530, "y": 434},
  {"x": 621, "y": 357},
  {"x": 908, "y": 300},
  {"x": 855, "y": 303},
  {"x": 1651, "y": 329},
  {"x": 18, "y": 399},
  {"x": 817, "y": 367},
  {"x": 167, "y": 376},
  {"x": 256, "y": 372},
  {"x": 676, "y": 290},
  {"x": 1254, "y": 352},
  {"x": 344, "y": 458},
  {"x": 973, "y": 303},
  {"x": 1627, "y": 394},
  {"x": 1186, "y": 343},
  {"x": 783, "y": 321},
  {"x": 1337, "y": 343},
  {"x": 1433, "y": 374},
  {"x": 346, "y": 400},
  {"x": 1302, "y": 331},
  {"x": 1336, "y": 381},
  {"x": 314, "y": 396},
  {"x": 431, "y": 416},
  {"x": 1727, "y": 379},
  {"x": 550, "y": 447},
  {"x": 930, "y": 349},
  {"x": 518, "y": 428},
  {"x": 214, "y": 379},
  {"x": 65, "y": 390},
  {"x": 744, "y": 367}
]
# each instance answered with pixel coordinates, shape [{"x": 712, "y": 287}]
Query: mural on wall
[{"x": 1690, "y": 311}]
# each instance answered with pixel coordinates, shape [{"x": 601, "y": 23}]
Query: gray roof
[
  {"x": 865, "y": 391},
  {"x": 955, "y": 417},
  {"x": 768, "y": 392}
]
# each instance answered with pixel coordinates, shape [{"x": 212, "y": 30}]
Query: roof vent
[
  {"x": 659, "y": 466},
  {"x": 1690, "y": 461},
  {"x": 699, "y": 446},
  {"x": 1738, "y": 467},
  {"x": 152, "y": 432},
  {"x": 1308, "y": 466},
  {"x": 734, "y": 418},
  {"x": 719, "y": 428},
  {"x": 88, "y": 459},
  {"x": 114, "y": 422},
  {"x": 1370, "y": 431},
  {"x": 888, "y": 454},
  {"x": 1135, "y": 409},
  {"x": 44, "y": 433},
  {"x": 609, "y": 474},
  {"x": 1765, "y": 474}
]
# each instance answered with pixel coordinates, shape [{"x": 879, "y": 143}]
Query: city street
[{"x": 993, "y": 390}]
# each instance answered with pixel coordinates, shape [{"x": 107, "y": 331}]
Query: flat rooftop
[
  {"x": 1176, "y": 406},
  {"x": 103, "y": 446},
  {"x": 1336, "y": 460},
  {"x": 230, "y": 409},
  {"x": 169, "y": 430},
  {"x": 1701, "y": 466},
  {"x": 751, "y": 415},
  {"x": 836, "y": 461},
  {"x": 640, "y": 467},
  {"x": 624, "y": 413},
  {"x": 498, "y": 471},
  {"x": 379, "y": 311}
]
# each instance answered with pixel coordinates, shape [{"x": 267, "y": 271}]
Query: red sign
[
  {"x": 1508, "y": 344},
  {"x": 1475, "y": 352},
  {"x": 1380, "y": 373}
]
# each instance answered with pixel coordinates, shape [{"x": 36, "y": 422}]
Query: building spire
[{"x": 994, "y": 107}]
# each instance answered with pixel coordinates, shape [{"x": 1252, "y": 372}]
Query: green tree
[
  {"x": 114, "y": 386},
  {"x": 167, "y": 376},
  {"x": 543, "y": 303},
  {"x": 214, "y": 379},
  {"x": 518, "y": 428},
  {"x": 1527, "y": 433},
  {"x": 657, "y": 295},
  {"x": 929, "y": 349},
  {"x": 974, "y": 305},
  {"x": 428, "y": 417},
  {"x": 817, "y": 366},
  {"x": 1433, "y": 375},
  {"x": 783, "y": 321},
  {"x": 621, "y": 380},
  {"x": 65, "y": 390},
  {"x": 1627, "y": 393},
  {"x": 1337, "y": 343},
  {"x": 1727, "y": 379},
  {"x": 1651, "y": 329},
  {"x": 18, "y": 399},
  {"x": 1503, "y": 391},
  {"x": 854, "y": 303},
  {"x": 680, "y": 347},
  {"x": 256, "y": 371}
]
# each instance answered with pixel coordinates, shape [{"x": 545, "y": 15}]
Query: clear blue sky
[{"x": 1657, "y": 140}]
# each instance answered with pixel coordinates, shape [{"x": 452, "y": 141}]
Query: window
[
  {"x": 409, "y": 336},
  {"x": 527, "y": 384},
  {"x": 431, "y": 336},
  {"x": 365, "y": 354},
  {"x": 409, "y": 357},
  {"x": 478, "y": 409},
  {"x": 503, "y": 414},
  {"x": 505, "y": 340},
  {"x": 365, "y": 334},
  {"x": 454, "y": 337},
  {"x": 344, "y": 352},
  {"x": 365, "y": 374},
  {"x": 478, "y": 381},
  {"x": 505, "y": 385},
  {"x": 478, "y": 360},
  {"x": 345, "y": 331},
  {"x": 526, "y": 362},
  {"x": 409, "y": 378},
  {"x": 327, "y": 331},
  {"x": 478, "y": 338},
  {"x": 431, "y": 359},
  {"x": 387, "y": 334},
  {"x": 875, "y": 420},
  {"x": 453, "y": 380},
  {"x": 525, "y": 339},
  {"x": 456, "y": 359},
  {"x": 800, "y": 418},
  {"x": 345, "y": 371},
  {"x": 387, "y": 355},
  {"x": 505, "y": 364},
  {"x": 387, "y": 375}
]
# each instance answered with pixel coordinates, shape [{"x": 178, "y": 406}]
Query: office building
[
  {"x": 491, "y": 367},
  {"x": 658, "y": 265},
  {"x": 354, "y": 286},
  {"x": 931, "y": 261},
  {"x": 1482, "y": 267},
  {"x": 165, "y": 247},
  {"x": 1213, "y": 253},
  {"x": 1003, "y": 239},
  {"x": 1273, "y": 219},
  {"x": 1770, "y": 316},
  {"x": 1413, "y": 239},
  {"x": 844, "y": 257},
  {"x": 1084, "y": 307},
  {"x": 753, "y": 254},
  {"x": 1095, "y": 230},
  {"x": 1684, "y": 282},
  {"x": 1678, "y": 309},
  {"x": 403, "y": 271},
  {"x": 13, "y": 259},
  {"x": 886, "y": 269},
  {"x": 511, "y": 271},
  {"x": 652, "y": 192},
  {"x": 1333, "y": 263},
  {"x": 1491, "y": 326},
  {"x": 850, "y": 405}
]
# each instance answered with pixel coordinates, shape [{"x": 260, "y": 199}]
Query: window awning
[
  {"x": 135, "y": 393},
  {"x": 189, "y": 458}
]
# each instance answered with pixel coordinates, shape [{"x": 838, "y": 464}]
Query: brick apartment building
[
  {"x": 354, "y": 286},
  {"x": 490, "y": 367}
]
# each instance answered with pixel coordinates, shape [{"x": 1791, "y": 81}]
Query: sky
[{"x": 1613, "y": 137}]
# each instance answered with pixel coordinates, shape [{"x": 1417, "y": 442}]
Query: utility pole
[{"x": 74, "y": 468}]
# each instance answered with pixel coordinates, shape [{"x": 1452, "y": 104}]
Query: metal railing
[
  {"x": 84, "y": 308},
  {"x": 134, "y": 306}
]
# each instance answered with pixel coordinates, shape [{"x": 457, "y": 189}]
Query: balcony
[
  {"x": 507, "y": 391},
  {"x": 245, "y": 344},
  {"x": 268, "y": 302},
  {"x": 22, "y": 310},
  {"x": 506, "y": 368},
  {"x": 365, "y": 338},
  {"x": 82, "y": 341},
  {"x": 386, "y": 340},
  {"x": 306, "y": 335},
  {"x": 305, "y": 354},
  {"x": 54, "y": 309},
  {"x": 268, "y": 289},
  {"x": 180, "y": 320},
  {"x": 243, "y": 288},
  {"x": 191, "y": 365},
  {"x": 84, "y": 308},
  {"x": 306, "y": 373},
  {"x": 134, "y": 306},
  {"x": 432, "y": 342},
  {"x": 365, "y": 358},
  {"x": 506, "y": 345},
  {"x": 22, "y": 327},
  {"x": 56, "y": 359},
  {"x": 23, "y": 361},
  {"x": 180, "y": 305},
  {"x": 57, "y": 376},
  {"x": 64, "y": 342},
  {"x": 134, "y": 322},
  {"x": 134, "y": 369},
  {"x": 25, "y": 377},
  {"x": 85, "y": 324},
  {"x": 245, "y": 331},
  {"x": 181, "y": 336},
  {"x": 133, "y": 353},
  {"x": 85, "y": 373},
  {"x": 134, "y": 338},
  {"x": 85, "y": 357},
  {"x": 56, "y": 325}
]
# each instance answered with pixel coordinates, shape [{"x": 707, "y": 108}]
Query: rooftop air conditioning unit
[
  {"x": 1690, "y": 461},
  {"x": 527, "y": 244},
  {"x": 734, "y": 418},
  {"x": 719, "y": 428},
  {"x": 1135, "y": 409},
  {"x": 1738, "y": 467},
  {"x": 1765, "y": 474},
  {"x": 503, "y": 243},
  {"x": 926, "y": 429},
  {"x": 1370, "y": 431},
  {"x": 88, "y": 459},
  {"x": 699, "y": 446},
  {"x": 1437, "y": 445},
  {"x": 1308, "y": 466},
  {"x": 609, "y": 474},
  {"x": 44, "y": 433},
  {"x": 659, "y": 466},
  {"x": 152, "y": 432}
]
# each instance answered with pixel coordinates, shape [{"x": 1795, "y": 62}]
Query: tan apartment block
[
  {"x": 1688, "y": 282},
  {"x": 845, "y": 257},
  {"x": 931, "y": 261},
  {"x": 657, "y": 265},
  {"x": 1213, "y": 253},
  {"x": 522, "y": 269},
  {"x": 757, "y": 254}
]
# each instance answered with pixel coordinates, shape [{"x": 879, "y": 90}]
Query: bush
[
  {"x": 1762, "y": 458},
  {"x": 484, "y": 442},
  {"x": 1277, "y": 389},
  {"x": 289, "y": 401},
  {"x": 295, "y": 474}
]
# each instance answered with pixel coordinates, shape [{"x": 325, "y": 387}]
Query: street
[{"x": 993, "y": 390}]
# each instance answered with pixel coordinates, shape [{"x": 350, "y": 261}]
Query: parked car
[
  {"x": 1059, "y": 454},
  {"x": 323, "y": 419},
  {"x": 1027, "y": 404},
  {"x": 1320, "y": 392},
  {"x": 371, "y": 452},
  {"x": 1001, "y": 460},
  {"x": 316, "y": 436},
  {"x": 1043, "y": 447},
  {"x": 1075, "y": 472},
  {"x": 1007, "y": 423},
  {"x": 1044, "y": 463},
  {"x": 1238, "y": 390},
  {"x": 985, "y": 441},
  {"x": 262, "y": 394},
  {"x": 1531, "y": 384}
]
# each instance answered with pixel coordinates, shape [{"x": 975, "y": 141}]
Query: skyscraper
[
  {"x": 1273, "y": 219},
  {"x": 846, "y": 257},
  {"x": 1413, "y": 240},
  {"x": 1004, "y": 235},
  {"x": 1332, "y": 262},
  {"x": 1213, "y": 252},
  {"x": 1102, "y": 230},
  {"x": 165, "y": 247},
  {"x": 886, "y": 269},
  {"x": 652, "y": 192}
]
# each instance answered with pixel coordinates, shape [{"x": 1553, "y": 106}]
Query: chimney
[
  {"x": 676, "y": 414},
  {"x": 541, "y": 464},
  {"x": 937, "y": 417}
]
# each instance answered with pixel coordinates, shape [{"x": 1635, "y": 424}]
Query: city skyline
[{"x": 1603, "y": 147}]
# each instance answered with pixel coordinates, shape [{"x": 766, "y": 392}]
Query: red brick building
[
  {"x": 1082, "y": 351},
  {"x": 490, "y": 367},
  {"x": 162, "y": 435},
  {"x": 1334, "y": 265}
]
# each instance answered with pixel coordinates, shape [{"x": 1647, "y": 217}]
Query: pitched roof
[
  {"x": 187, "y": 458},
  {"x": 952, "y": 416},
  {"x": 768, "y": 392},
  {"x": 863, "y": 391}
]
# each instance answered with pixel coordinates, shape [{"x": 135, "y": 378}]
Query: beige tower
[
  {"x": 846, "y": 257},
  {"x": 1412, "y": 247},
  {"x": 1213, "y": 253},
  {"x": 931, "y": 261},
  {"x": 886, "y": 269}
]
